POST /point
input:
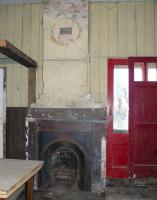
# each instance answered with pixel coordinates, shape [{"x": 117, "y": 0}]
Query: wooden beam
[{"x": 17, "y": 55}]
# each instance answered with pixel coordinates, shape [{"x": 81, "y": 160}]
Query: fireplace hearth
[{"x": 69, "y": 146}]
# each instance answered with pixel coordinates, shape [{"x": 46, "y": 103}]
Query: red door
[
  {"x": 142, "y": 117},
  {"x": 117, "y": 118}
]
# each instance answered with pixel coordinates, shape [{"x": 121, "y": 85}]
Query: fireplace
[
  {"x": 64, "y": 167},
  {"x": 67, "y": 160},
  {"x": 69, "y": 142}
]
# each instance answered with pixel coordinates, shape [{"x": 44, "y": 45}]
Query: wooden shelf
[{"x": 9, "y": 50}]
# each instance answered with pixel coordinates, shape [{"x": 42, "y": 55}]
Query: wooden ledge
[{"x": 9, "y": 50}]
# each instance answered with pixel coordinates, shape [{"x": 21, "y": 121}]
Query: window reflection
[
  {"x": 120, "y": 111},
  {"x": 151, "y": 72},
  {"x": 138, "y": 71}
]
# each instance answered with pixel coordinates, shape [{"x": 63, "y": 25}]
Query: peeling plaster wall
[{"x": 66, "y": 59}]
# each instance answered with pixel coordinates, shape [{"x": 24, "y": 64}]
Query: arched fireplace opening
[
  {"x": 64, "y": 171},
  {"x": 65, "y": 166}
]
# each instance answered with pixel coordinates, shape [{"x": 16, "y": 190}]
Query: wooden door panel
[
  {"x": 146, "y": 107},
  {"x": 142, "y": 123},
  {"x": 145, "y": 147}
]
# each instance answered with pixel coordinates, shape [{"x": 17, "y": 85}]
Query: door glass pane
[
  {"x": 138, "y": 71},
  {"x": 120, "y": 108},
  {"x": 151, "y": 72}
]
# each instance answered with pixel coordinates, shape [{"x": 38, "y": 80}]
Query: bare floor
[
  {"x": 131, "y": 193},
  {"x": 111, "y": 193}
]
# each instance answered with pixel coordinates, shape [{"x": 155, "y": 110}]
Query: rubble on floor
[{"x": 111, "y": 193}]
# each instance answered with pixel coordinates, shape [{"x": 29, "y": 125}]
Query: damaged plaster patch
[{"x": 72, "y": 8}]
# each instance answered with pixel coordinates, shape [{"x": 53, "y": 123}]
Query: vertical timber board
[
  {"x": 113, "y": 28},
  {"x": 94, "y": 79},
  {"x": 140, "y": 28},
  {"x": 15, "y": 137},
  {"x": 131, "y": 29},
  {"x": 103, "y": 81},
  {"x": 122, "y": 30},
  {"x": 22, "y": 26},
  {"x": 94, "y": 30},
  {"x": 150, "y": 28},
  {"x": 10, "y": 37},
  {"x": 11, "y": 131},
  {"x": 104, "y": 31},
  {"x": 17, "y": 79},
  {"x": 3, "y": 18},
  {"x": 94, "y": 75},
  {"x": 35, "y": 37},
  {"x": 26, "y": 40},
  {"x": 39, "y": 72}
]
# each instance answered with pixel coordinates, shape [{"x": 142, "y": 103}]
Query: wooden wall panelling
[
  {"x": 113, "y": 28},
  {"x": 35, "y": 28},
  {"x": 119, "y": 30},
  {"x": 94, "y": 73},
  {"x": 34, "y": 51},
  {"x": 15, "y": 138},
  {"x": 94, "y": 30},
  {"x": 140, "y": 29},
  {"x": 18, "y": 26},
  {"x": 94, "y": 78},
  {"x": 10, "y": 37},
  {"x": 150, "y": 28},
  {"x": 104, "y": 31},
  {"x": 40, "y": 83},
  {"x": 26, "y": 48},
  {"x": 37, "y": 43},
  {"x": 17, "y": 79},
  {"x": 103, "y": 80},
  {"x": 122, "y": 29},
  {"x": 22, "y": 26},
  {"x": 131, "y": 29},
  {"x": 3, "y": 15}
]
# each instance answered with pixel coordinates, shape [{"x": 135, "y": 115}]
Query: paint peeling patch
[
  {"x": 103, "y": 162},
  {"x": 27, "y": 142},
  {"x": 28, "y": 120},
  {"x": 90, "y": 101}
]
